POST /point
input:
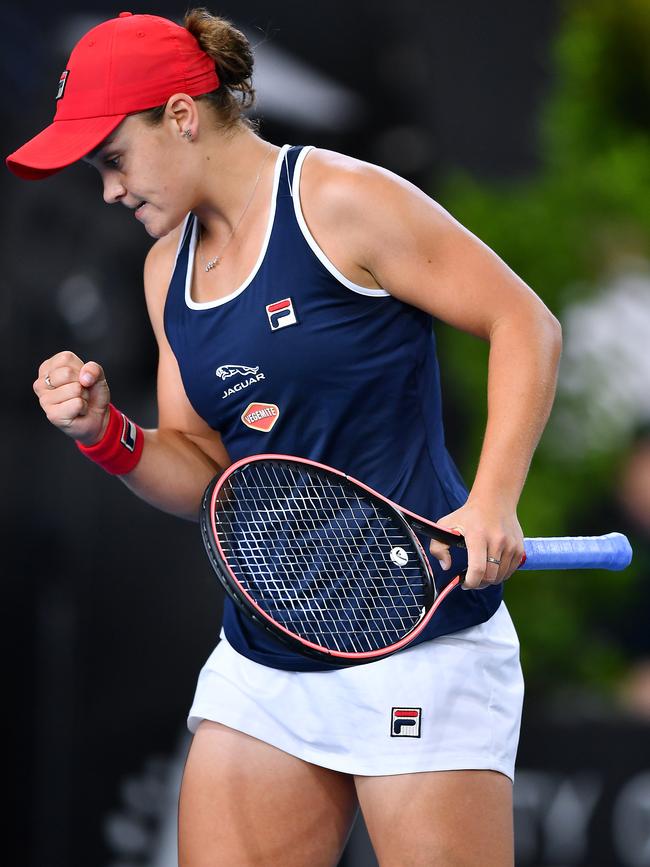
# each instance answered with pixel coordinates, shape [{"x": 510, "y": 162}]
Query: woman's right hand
[{"x": 74, "y": 396}]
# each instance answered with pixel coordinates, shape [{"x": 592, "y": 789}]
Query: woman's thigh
[
  {"x": 244, "y": 802},
  {"x": 439, "y": 818}
]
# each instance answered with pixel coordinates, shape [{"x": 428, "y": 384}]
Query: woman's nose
[{"x": 113, "y": 190}]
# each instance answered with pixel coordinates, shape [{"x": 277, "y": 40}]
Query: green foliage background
[{"x": 562, "y": 231}]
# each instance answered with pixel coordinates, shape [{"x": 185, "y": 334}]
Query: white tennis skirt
[{"x": 451, "y": 703}]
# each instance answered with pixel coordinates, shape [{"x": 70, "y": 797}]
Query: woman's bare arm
[
  {"x": 418, "y": 252},
  {"x": 183, "y": 453}
]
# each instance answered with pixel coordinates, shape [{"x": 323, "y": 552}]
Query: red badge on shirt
[{"x": 261, "y": 416}]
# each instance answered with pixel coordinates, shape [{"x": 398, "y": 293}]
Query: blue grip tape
[{"x": 612, "y": 551}]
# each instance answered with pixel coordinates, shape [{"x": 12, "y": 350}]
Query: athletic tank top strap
[
  {"x": 176, "y": 290},
  {"x": 288, "y": 168}
]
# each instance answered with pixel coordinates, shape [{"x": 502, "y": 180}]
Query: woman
[{"x": 305, "y": 281}]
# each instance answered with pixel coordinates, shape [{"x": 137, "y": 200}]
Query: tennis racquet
[{"x": 334, "y": 569}]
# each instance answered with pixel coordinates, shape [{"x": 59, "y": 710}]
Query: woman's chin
[
  {"x": 154, "y": 230},
  {"x": 157, "y": 228}
]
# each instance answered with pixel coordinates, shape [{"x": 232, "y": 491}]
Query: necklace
[{"x": 212, "y": 263}]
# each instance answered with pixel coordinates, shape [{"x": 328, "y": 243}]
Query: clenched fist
[{"x": 74, "y": 396}]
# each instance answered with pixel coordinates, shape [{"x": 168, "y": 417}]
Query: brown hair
[{"x": 233, "y": 59}]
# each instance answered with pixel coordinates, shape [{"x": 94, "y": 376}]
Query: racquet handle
[{"x": 612, "y": 551}]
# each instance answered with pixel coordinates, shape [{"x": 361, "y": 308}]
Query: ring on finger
[
  {"x": 48, "y": 381},
  {"x": 494, "y": 560}
]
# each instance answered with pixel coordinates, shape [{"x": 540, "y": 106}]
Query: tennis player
[{"x": 292, "y": 291}]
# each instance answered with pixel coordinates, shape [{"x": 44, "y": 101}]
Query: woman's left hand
[{"x": 490, "y": 534}]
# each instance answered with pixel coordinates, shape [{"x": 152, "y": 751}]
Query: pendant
[{"x": 212, "y": 263}]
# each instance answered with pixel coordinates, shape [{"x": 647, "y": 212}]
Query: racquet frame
[{"x": 249, "y": 607}]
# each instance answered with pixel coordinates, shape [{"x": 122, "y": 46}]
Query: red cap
[{"x": 125, "y": 65}]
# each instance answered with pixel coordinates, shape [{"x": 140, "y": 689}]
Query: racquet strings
[{"x": 314, "y": 553}]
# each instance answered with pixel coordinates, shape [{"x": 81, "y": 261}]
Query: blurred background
[{"x": 530, "y": 123}]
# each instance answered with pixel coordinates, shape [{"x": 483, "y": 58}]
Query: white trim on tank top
[
  {"x": 361, "y": 290},
  {"x": 205, "y": 305}
]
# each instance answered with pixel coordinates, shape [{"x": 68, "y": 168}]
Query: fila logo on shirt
[
  {"x": 251, "y": 374},
  {"x": 405, "y": 722},
  {"x": 281, "y": 314}
]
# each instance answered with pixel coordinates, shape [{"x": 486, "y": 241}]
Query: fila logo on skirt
[{"x": 405, "y": 722}]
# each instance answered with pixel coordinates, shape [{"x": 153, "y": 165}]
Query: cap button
[{"x": 125, "y": 14}]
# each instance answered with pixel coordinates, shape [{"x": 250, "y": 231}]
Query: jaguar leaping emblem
[{"x": 228, "y": 370}]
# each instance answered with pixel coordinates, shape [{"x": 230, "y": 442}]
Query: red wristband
[{"x": 120, "y": 449}]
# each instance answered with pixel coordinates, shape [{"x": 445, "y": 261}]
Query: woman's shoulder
[
  {"x": 158, "y": 269},
  {"x": 336, "y": 163},
  {"x": 345, "y": 185},
  {"x": 330, "y": 169},
  {"x": 163, "y": 250},
  {"x": 159, "y": 262}
]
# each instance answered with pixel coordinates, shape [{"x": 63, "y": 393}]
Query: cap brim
[{"x": 59, "y": 145}]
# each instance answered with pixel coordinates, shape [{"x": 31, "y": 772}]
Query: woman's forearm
[
  {"x": 172, "y": 473},
  {"x": 522, "y": 375}
]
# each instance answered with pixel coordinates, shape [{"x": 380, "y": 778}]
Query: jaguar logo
[
  {"x": 251, "y": 374},
  {"x": 228, "y": 370}
]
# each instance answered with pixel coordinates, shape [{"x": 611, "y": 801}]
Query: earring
[{"x": 187, "y": 133}]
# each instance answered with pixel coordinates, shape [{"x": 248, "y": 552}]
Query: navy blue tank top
[{"x": 301, "y": 361}]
